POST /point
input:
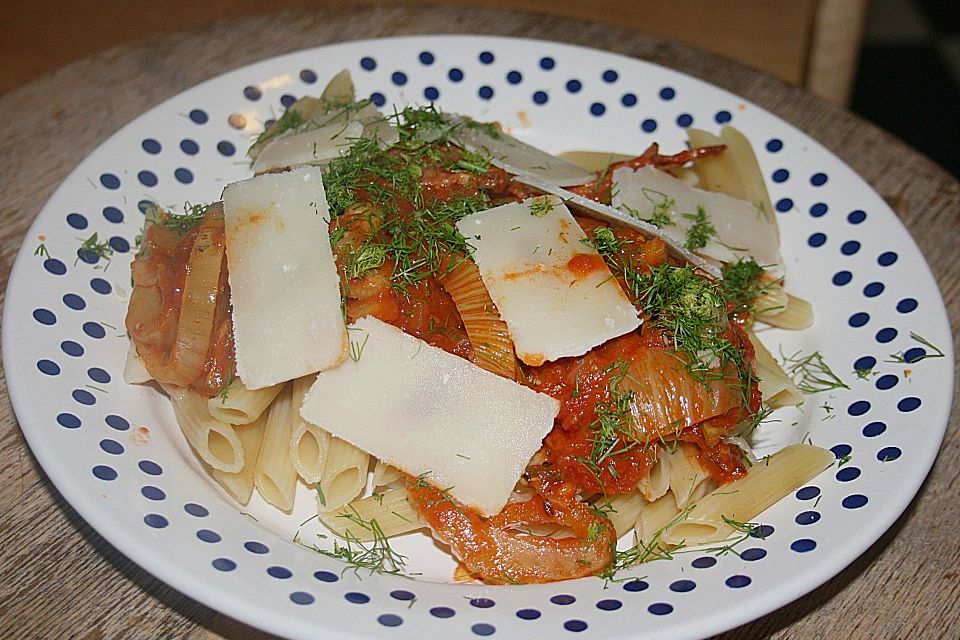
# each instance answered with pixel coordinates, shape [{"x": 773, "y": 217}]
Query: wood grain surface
[{"x": 59, "y": 579}]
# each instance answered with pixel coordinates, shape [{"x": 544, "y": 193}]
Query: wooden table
[{"x": 58, "y": 578}]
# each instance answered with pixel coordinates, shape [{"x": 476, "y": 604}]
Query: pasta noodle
[
  {"x": 275, "y": 476},
  {"x": 713, "y": 518},
  {"x": 686, "y": 475},
  {"x": 384, "y": 474},
  {"x": 344, "y": 473},
  {"x": 239, "y": 484},
  {"x": 238, "y": 405},
  {"x": 308, "y": 442},
  {"x": 134, "y": 370},
  {"x": 623, "y": 510},
  {"x": 215, "y": 442},
  {"x": 390, "y": 510},
  {"x": 796, "y": 314},
  {"x": 776, "y": 386},
  {"x": 657, "y": 482}
]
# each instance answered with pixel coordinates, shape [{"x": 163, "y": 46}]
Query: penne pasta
[
  {"x": 776, "y": 387},
  {"x": 685, "y": 473},
  {"x": 654, "y": 517},
  {"x": 308, "y": 442},
  {"x": 275, "y": 476},
  {"x": 714, "y": 517},
  {"x": 390, "y": 510},
  {"x": 214, "y": 441},
  {"x": 796, "y": 314},
  {"x": 344, "y": 474},
  {"x": 384, "y": 474},
  {"x": 657, "y": 482},
  {"x": 239, "y": 484},
  {"x": 238, "y": 405},
  {"x": 623, "y": 510}
]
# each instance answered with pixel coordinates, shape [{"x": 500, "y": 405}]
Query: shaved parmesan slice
[
  {"x": 554, "y": 291},
  {"x": 609, "y": 214},
  {"x": 429, "y": 412},
  {"x": 313, "y": 146},
  {"x": 742, "y": 228},
  {"x": 517, "y": 157},
  {"x": 284, "y": 286}
]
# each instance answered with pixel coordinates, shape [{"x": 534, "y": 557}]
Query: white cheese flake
[
  {"x": 553, "y": 290},
  {"x": 429, "y": 412},
  {"x": 284, "y": 286},
  {"x": 313, "y": 146}
]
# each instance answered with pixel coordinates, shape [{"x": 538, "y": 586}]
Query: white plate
[{"x": 117, "y": 456}]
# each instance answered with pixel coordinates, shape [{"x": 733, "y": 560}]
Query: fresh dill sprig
[
  {"x": 613, "y": 431},
  {"x": 899, "y": 358},
  {"x": 742, "y": 285},
  {"x": 92, "y": 246},
  {"x": 290, "y": 119},
  {"x": 700, "y": 232},
  {"x": 864, "y": 373},
  {"x": 810, "y": 372},
  {"x": 376, "y": 556},
  {"x": 541, "y": 206},
  {"x": 644, "y": 551},
  {"x": 41, "y": 251},
  {"x": 605, "y": 241},
  {"x": 322, "y": 498},
  {"x": 356, "y": 348},
  {"x": 225, "y": 387}
]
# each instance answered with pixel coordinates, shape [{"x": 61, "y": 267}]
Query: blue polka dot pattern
[
  {"x": 859, "y": 319},
  {"x": 301, "y": 597},
  {"x": 156, "y": 521},
  {"x": 150, "y": 468},
  {"x": 54, "y": 266},
  {"x": 151, "y": 146},
  {"x": 485, "y": 92},
  {"x": 563, "y": 599},
  {"x": 68, "y": 421},
  {"x": 183, "y": 175},
  {"x": 575, "y": 625},
  {"x": 226, "y": 148},
  {"x": 101, "y": 286},
  {"x": 378, "y": 98},
  {"x": 189, "y": 147},
  {"x": 528, "y": 614},
  {"x": 888, "y": 454},
  {"x": 847, "y": 474},
  {"x": 636, "y": 585},
  {"x": 94, "y": 330},
  {"x": 854, "y": 501},
  {"x": 486, "y": 57},
  {"x": 224, "y": 564},
  {"x": 850, "y": 247},
  {"x": 908, "y": 404},
  {"x": 887, "y": 334},
  {"x": 103, "y": 472},
  {"x": 147, "y": 178},
  {"x": 120, "y": 424},
  {"x": 609, "y": 604},
  {"x": 660, "y": 608},
  {"x": 874, "y": 429},
  {"x": 308, "y": 76},
  {"x": 431, "y": 93},
  {"x": 356, "y": 597},
  {"x": 682, "y": 586},
  {"x": 597, "y": 108},
  {"x": 815, "y": 239},
  {"x": 252, "y": 93},
  {"x": 649, "y": 125},
  {"x": 780, "y": 175},
  {"x": 109, "y": 181},
  {"x": 763, "y": 532},
  {"x": 738, "y": 581},
  {"x": 48, "y": 367},
  {"x": 684, "y": 120},
  {"x": 368, "y": 64},
  {"x": 667, "y": 93},
  {"x": 628, "y": 99},
  {"x": 784, "y": 205},
  {"x": 858, "y": 408},
  {"x": 153, "y": 493},
  {"x": 280, "y": 573},
  {"x": 483, "y": 629},
  {"x": 774, "y": 145},
  {"x": 753, "y": 554},
  {"x": 198, "y": 116},
  {"x": 873, "y": 289},
  {"x": 540, "y": 97},
  {"x": 547, "y": 63},
  {"x": 208, "y": 536},
  {"x": 818, "y": 179},
  {"x": 514, "y": 77},
  {"x": 111, "y": 446},
  {"x": 803, "y": 545},
  {"x": 574, "y": 86},
  {"x": 71, "y": 348},
  {"x": 196, "y": 510},
  {"x": 44, "y": 316},
  {"x": 402, "y": 595},
  {"x": 442, "y": 612},
  {"x": 819, "y": 210},
  {"x": 398, "y": 78},
  {"x": 426, "y": 58},
  {"x": 256, "y": 547},
  {"x": 807, "y": 517},
  {"x": 887, "y": 381},
  {"x": 76, "y": 221},
  {"x": 722, "y": 117},
  {"x": 455, "y": 75},
  {"x": 112, "y": 214},
  {"x": 907, "y": 305},
  {"x": 886, "y": 258},
  {"x": 703, "y": 562},
  {"x": 83, "y": 397},
  {"x": 482, "y": 603},
  {"x": 856, "y": 217}
]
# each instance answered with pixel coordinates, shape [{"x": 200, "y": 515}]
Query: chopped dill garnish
[
  {"x": 899, "y": 357},
  {"x": 864, "y": 373},
  {"x": 93, "y": 247},
  {"x": 291, "y": 119},
  {"x": 356, "y": 348},
  {"x": 843, "y": 460},
  {"x": 541, "y": 206},
  {"x": 613, "y": 431},
  {"x": 376, "y": 556},
  {"x": 41, "y": 251},
  {"x": 811, "y": 373},
  {"x": 322, "y": 498},
  {"x": 700, "y": 232},
  {"x": 225, "y": 388},
  {"x": 605, "y": 241},
  {"x": 742, "y": 285},
  {"x": 755, "y": 421},
  {"x": 643, "y": 552}
]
